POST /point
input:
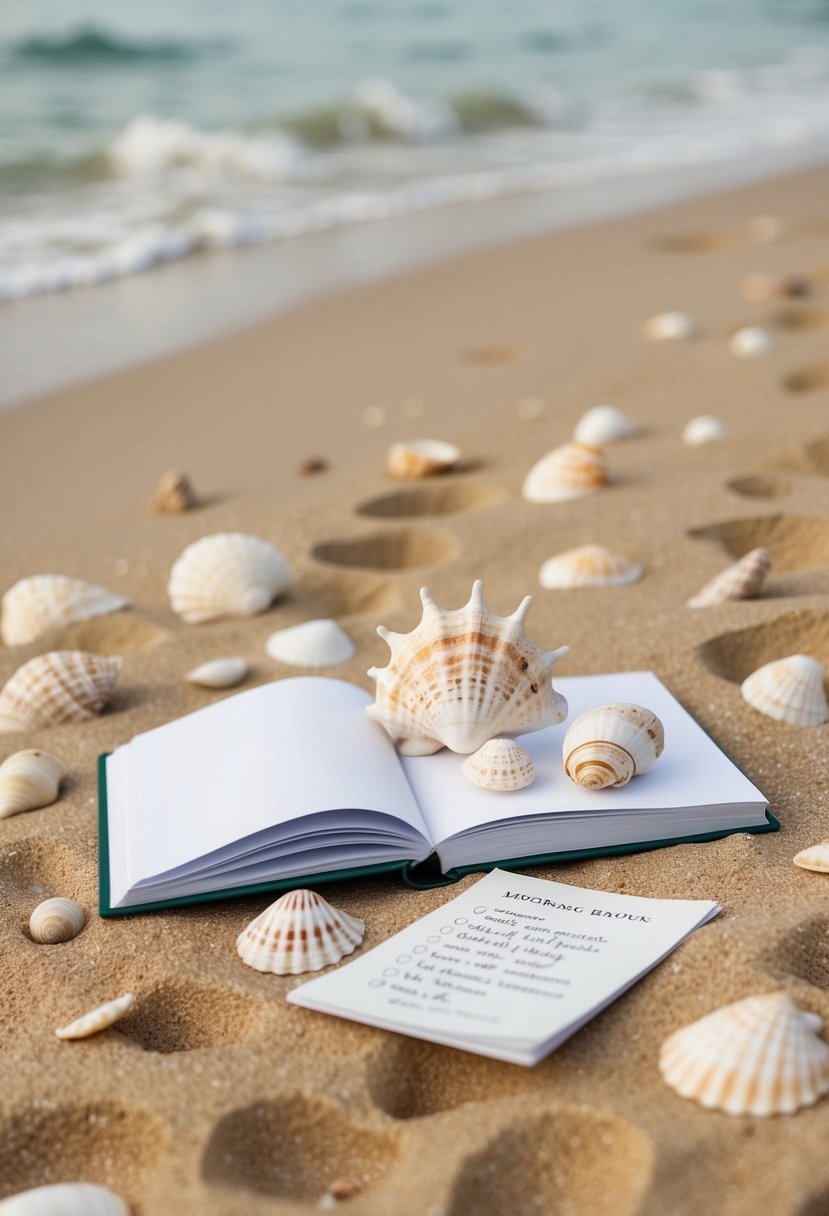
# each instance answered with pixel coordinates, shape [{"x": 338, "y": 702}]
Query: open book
[{"x": 293, "y": 780}]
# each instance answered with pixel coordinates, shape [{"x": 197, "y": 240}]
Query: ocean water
[{"x": 133, "y": 135}]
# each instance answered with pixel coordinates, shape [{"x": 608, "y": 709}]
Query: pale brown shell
[
  {"x": 570, "y": 471},
  {"x": 174, "y": 495},
  {"x": 413, "y": 458},
  {"x": 56, "y": 920},
  {"x": 740, "y": 581},
  {"x": 61, "y": 686}
]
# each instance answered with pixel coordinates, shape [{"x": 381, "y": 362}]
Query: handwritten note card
[{"x": 510, "y": 968}]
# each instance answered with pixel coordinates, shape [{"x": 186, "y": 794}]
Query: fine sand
[{"x": 215, "y": 1096}]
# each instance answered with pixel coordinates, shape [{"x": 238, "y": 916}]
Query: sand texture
[{"x": 214, "y": 1096}]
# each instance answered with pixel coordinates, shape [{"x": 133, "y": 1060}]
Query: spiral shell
[
  {"x": 740, "y": 581},
  {"x": 570, "y": 471},
  {"x": 300, "y": 932},
  {"x": 97, "y": 1019},
  {"x": 29, "y": 780},
  {"x": 588, "y": 566},
  {"x": 603, "y": 424},
  {"x": 227, "y": 574},
  {"x": 56, "y": 920},
  {"x": 312, "y": 644},
  {"x": 609, "y": 745},
  {"x": 45, "y": 601},
  {"x": 413, "y": 458},
  {"x": 65, "y": 1199},
  {"x": 789, "y": 690},
  {"x": 61, "y": 686},
  {"x": 501, "y": 764},
  {"x": 174, "y": 495}
]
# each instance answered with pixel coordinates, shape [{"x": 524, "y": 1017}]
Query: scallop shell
[
  {"x": 750, "y": 341},
  {"x": 603, "y": 424},
  {"x": 61, "y": 686},
  {"x": 45, "y": 601},
  {"x": 703, "y": 429},
  {"x": 300, "y": 932},
  {"x": 174, "y": 495},
  {"x": 414, "y": 458},
  {"x": 570, "y": 471},
  {"x": 312, "y": 644},
  {"x": 29, "y": 780},
  {"x": 462, "y": 677},
  {"x": 609, "y": 745},
  {"x": 218, "y": 673},
  {"x": 501, "y": 764},
  {"x": 740, "y": 581},
  {"x": 588, "y": 566},
  {"x": 227, "y": 574},
  {"x": 816, "y": 858},
  {"x": 790, "y": 690},
  {"x": 56, "y": 920},
  {"x": 759, "y": 1056},
  {"x": 65, "y": 1199},
  {"x": 97, "y": 1019},
  {"x": 670, "y": 327}
]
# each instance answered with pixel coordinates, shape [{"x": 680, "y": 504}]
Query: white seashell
[
  {"x": 44, "y": 601},
  {"x": 670, "y": 327},
  {"x": 174, "y": 495},
  {"x": 816, "y": 858},
  {"x": 98, "y": 1019},
  {"x": 29, "y": 780},
  {"x": 227, "y": 574},
  {"x": 501, "y": 764},
  {"x": 760, "y": 1056},
  {"x": 218, "y": 673},
  {"x": 65, "y": 1199},
  {"x": 588, "y": 566},
  {"x": 790, "y": 690},
  {"x": 56, "y": 920},
  {"x": 300, "y": 932},
  {"x": 567, "y": 472},
  {"x": 703, "y": 429},
  {"x": 609, "y": 745},
  {"x": 421, "y": 458},
  {"x": 462, "y": 677},
  {"x": 750, "y": 341},
  {"x": 61, "y": 686},
  {"x": 603, "y": 424},
  {"x": 312, "y": 644},
  {"x": 740, "y": 581}
]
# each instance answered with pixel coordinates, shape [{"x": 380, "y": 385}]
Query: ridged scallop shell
[
  {"x": 501, "y": 764},
  {"x": 703, "y": 429},
  {"x": 462, "y": 677},
  {"x": 312, "y": 644},
  {"x": 612, "y": 743},
  {"x": 61, "y": 686},
  {"x": 413, "y": 458},
  {"x": 227, "y": 574},
  {"x": 816, "y": 858},
  {"x": 300, "y": 932},
  {"x": 29, "y": 780},
  {"x": 174, "y": 495},
  {"x": 65, "y": 1199},
  {"x": 789, "y": 690},
  {"x": 740, "y": 581},
  {"x": 750, "y": 341},
  {"x": 570, "y": 471},
  {"x": 44, "y": 601},
  {"x": 588, "y": 566},
  {"x": 97, "y": 1019},
  {"x": 603, "y": 424},
  {"x": 670, "y": 327},
  {"x": 218, "y": 673},
  {"x": 56, "y": 920},
  {"x": 760, "y": 1056}
]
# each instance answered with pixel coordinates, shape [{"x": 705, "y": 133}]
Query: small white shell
[
  {"x": 703, "y": 429},
  {"x": 588, "y": 566},
  {"x": 65, "y": 1199},
  {"x": 312, "y": 644},
  {"x": 300, "y": 932},
  {"x": 61, "y": 686},
  {"x": 218, "y": 673},
  {"x": 750, "y": 341},
  {"x": 609, "y": 745},
  {"x": 174, "y": 495},
  {"x": 412, "y": 458},
  {"x": 789, "y": 690},
  {"x": 56, "y": 920},
  {"x": 740, "y": 581},
  {"x": 29, "y": 780},
  {"x": 603, "y": 424},
  {"x": 44, "y": 601},
  {"x": 227, "y": 574},
  {"x": 567, "y": 472},
  {"x": 501, "y": 764},
  {"x": 816, "y": 858},
  {"x": 670, "y": 327},
  {"x": 97, "y": 1019}
]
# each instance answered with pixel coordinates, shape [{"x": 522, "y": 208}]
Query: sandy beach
[{"x": 215, "y": 1096}]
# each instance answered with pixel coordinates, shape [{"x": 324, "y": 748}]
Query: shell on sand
[
  {"x": 789, "y": 690},
  {"x": 413, "y": 458},
  {"x": 174, "y": 495},
  {"x": 570, "y": 471},
  {"x": 56, "y": 920},
  {"x": 740, "y": 581},
  {"x": 603, "y": 424},
  {"x": 65, "y": 1199},
  {"x": 588, "y": 566},
  {"x": 218, "y": 673},
  {"x": 501, "y": 764},
  {"x": 610, "y": 744},
  {"x": 750, "y": 341},
  {"x": 226, "y": 574},
  {"x": 463, "y": 676},
  {"x": 29, "y": 780},
  {"x": 761, "y": 286},
  {"x": 703, "y": 429},
  {"x": 97, "y": 1019},
  {"x": 300, "y": 932},
  {"x": 46, "y": 601},
  {"x": 759, "y": 1056},
  {"x": 61, "y": 686},
  {"x": 312, "y": 644},
  {"x": 816, "y": 858},
  {"x": 670, "y": 327}
]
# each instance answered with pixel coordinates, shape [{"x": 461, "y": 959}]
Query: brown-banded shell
[
  {"x": 61, "y": 686},
  {"x": 56, "y": 920},
  {"x": 227, "y": 574},
  {"x": 570, "y": 471},
  {"x": 46, "y": 601},
  {"x": 97, "y": 1019},
  {"x": 610, "y": 744},
  {"x": 65, "y": 1199},
  {"x": 29, "y": 780},
  {"x": 501, "y": 764},
  {"x": 740, "y": 581},
  {"x": 588, "y": 566},
  {"x": 414, "y": 458},
  {"x": 299, "y": 932},
  {"x": 789, "y": 690}
]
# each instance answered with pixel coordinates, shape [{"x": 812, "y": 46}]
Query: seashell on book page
[{"x": 610, "y": 744}]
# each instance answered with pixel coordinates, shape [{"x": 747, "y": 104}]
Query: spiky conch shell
[
  {"x": 501, "y": 764},
  {"x": 299, "y": 932},
  {"x": 740, "y": 581},
  {"x": 603, "y": 424},
  {"x": 588, "y": 566},
  {"x": 226, "y": 574},
  {"x": 29, "y": 780},
  {"x": 61, "y": 686},
  {"x": 56, "y": 920},
  {"x": 98, "y": 1019},
  {"x": 759, "y": 1056},
  {"x": 65, "y": 1199},
  {"x": 789, "y": 690},
  {"x": 608, "y": 745},
  {"x": 464, "y": 676},
  {"x": 311, "y": 644},
  {"x": 45, "y": 601},
  {"x": 570, "y": 471},
  {"x": 815, "y": 858}
]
